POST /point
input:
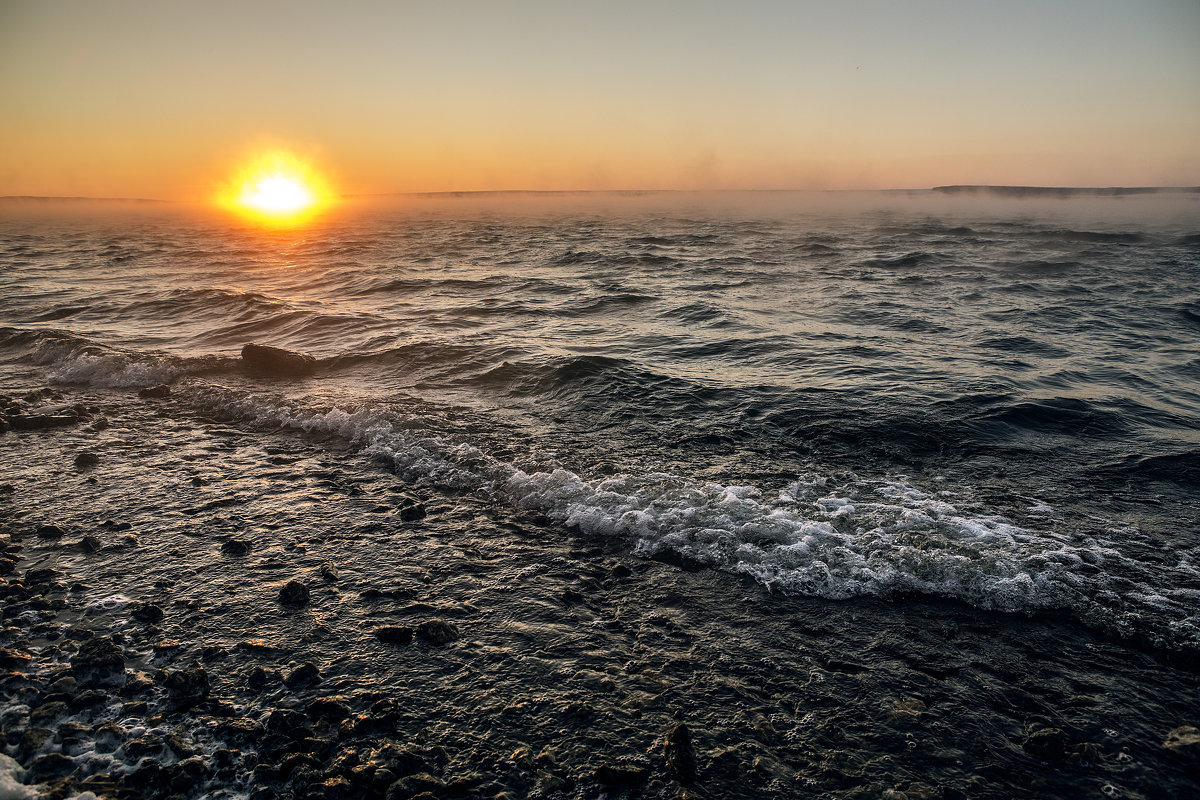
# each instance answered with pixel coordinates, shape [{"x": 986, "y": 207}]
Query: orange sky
[{"x": 162, "y": 100}]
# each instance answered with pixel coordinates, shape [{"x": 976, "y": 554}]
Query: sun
[{"x": 276, "y": 188}]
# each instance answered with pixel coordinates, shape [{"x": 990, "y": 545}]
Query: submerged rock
[
  {"x": 1048, "y": 744},
  {"x": 236, "y": 547},
  {"x": 186, "y": 687},
  {"x": 306, "y": 674},
  {"x": 294, "y": 593},
  {"x": 438, "y": 631},
  {"x": 394, "y": 634},
  {"x": 162, "y": 390},
  {"x": 681, "y": 758},
  {"x": 98, "y": 660},
  {"x": 86, "y": 460},
  {"x": 276, "y": 360},
  {"x": 37, "y": 422}
]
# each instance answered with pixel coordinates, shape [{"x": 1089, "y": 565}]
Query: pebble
[
  {"x": 86, "y": 460},
  {"x": 438, "y": 631},
  {"x": 294, "y": 593},
  {"x": 162, "y": 390},
  {"x": 394, "y": 634},
  {"x": 681, "y": 757}
]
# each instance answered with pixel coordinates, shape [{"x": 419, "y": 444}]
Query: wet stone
[
  {"x": 294, "y": 593},
  {"x": 306, "y": 674},
  {"x": 50, "y": 532},
  {"x": 11, "y": 658},
  {"x": 236, "y": 547},
  {"x": 146, "y": 612},
  {"x": 1048, "y": 744},
  {"x": 680, "y": 756},
  {"x": 394, "y": 634},
  {"x": 86, "y": 460},
  {"x": 186, "y": 687},
  {"x": 412, "y": 786},
  {"x": 162, "y": 390},
  {"x": 277, "y": 361},
  {"x": 621, "y": 776},
  {"x": 49, "y": 766},
  {"x": 98, "y": 660},
  {"x": 410, "y": 508},
  {"x": 438, "y": 631},
  {"x": 90, "y": 543}
]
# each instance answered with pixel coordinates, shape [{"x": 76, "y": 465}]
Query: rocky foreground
[{"x": 192, "y": 607}]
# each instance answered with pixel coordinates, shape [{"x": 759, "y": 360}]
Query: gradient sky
[{"x": 162, "y": 99}]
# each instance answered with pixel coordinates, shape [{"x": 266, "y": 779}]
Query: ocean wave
[
  {"x": 835, "y": 535},
  {"x": 831, "y": 536}
]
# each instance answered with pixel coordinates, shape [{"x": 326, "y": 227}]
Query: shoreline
[{"x": 449, "y": 646}]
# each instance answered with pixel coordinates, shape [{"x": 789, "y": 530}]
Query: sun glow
[{"x": 276, "y": 189}]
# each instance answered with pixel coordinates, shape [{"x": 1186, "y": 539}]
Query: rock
[
  {"x": 394, "y": 634},
  {"x": 148, "y": 779},
  {"x": 90, "y": 543},
  {"x": 38, "y": 422},
  {"x": 294, "y": 593},
  {"x": 13, "y": 659},
  {"x": 1047, "y": 744},
  {"x": 410, "y": 786},
  {"x": 48, "y": 767},
  {"x": 50, "y": 532},
  {"x": 160, "y": 391},
  {"x": 86, "y": 460},
  {"x": 327, "y": 708},
  {"x": 98, "y": 660},
  {"x": 258, "y": 678},
  {"x": 239, "y": 730},
  {"x": 438, "y": 631},
  {"x": 100, "y": 424},
  {"x": 621, "y": 776},
  {"x": 306, "y": 674},
  {"x": 143, "y": 746},
  {"x": 146, "y": 612},
  {"x": 329, "y": 573},
  {"x": 681, "y": 757},
  {"x": 1183, "y": 737},
  {"x": 48, "y": 713},
  {"x": 410, "y": 508},
  {"x": 235, "y": 547},
  {"x": 186, "y": 687},
  {"x": 277, "y": 361}
]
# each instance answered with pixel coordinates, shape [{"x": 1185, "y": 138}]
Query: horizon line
[{"x": 1005, "y": 189}]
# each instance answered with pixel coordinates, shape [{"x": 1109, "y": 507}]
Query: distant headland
[{"x": 1063, "y": 191}]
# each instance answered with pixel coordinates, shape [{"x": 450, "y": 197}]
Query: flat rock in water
[
  {"x": 681, "y": 758},
  {"x": 294, "y": 593},
  {"x": 276, "y": 360},
  {"x": 438, "y": 631}
]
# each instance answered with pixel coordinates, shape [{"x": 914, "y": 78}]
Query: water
[{"x": 894, "y": 400}]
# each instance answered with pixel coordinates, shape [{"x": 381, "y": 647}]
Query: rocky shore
[{"x": 194, "y": 607}]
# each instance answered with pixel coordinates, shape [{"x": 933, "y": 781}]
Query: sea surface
[{"x": 859, "y": 409}]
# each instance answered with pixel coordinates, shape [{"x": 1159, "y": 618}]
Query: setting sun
[{"x": 276, "y": 188}]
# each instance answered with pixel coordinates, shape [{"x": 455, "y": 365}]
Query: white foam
[
  {"x": 815, "y": 536},
  {"x": 114, "y": 602},
  {"x": 11, "y": 775},
  {"x": 71, "y": 362}
]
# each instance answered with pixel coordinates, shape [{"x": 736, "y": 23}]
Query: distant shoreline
[{"x": 999, "y": 191}]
